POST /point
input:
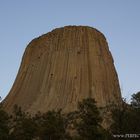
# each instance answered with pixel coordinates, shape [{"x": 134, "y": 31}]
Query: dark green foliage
[
  {"x": 89, "y": 121},
  {"x": 135, "y": 104},
  {"x": 86, "y": 123},
  {"x": 126, "y": 119},
  {"x": 51, "y": 126},
  {"x": 24, "y": 130},
  {"x": 135, "y": 100},
  {"x": 4, "y": 121},
  {"x": 119, "y": 117},
  {"x": 47, "y": 126},
  {"x": 24, "y": 127}
]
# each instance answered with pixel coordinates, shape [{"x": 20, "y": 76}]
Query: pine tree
[
  {"x": 88, "y": 124},
  {"x": 4, "y": 124}
]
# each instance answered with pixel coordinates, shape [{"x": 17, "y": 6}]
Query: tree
[
  {"x": 135, "y": 100},
  {"x": 51, "y": 126},
  {"x": 4, "y": 127},
  {"x": 119, "y": 116},
  {"x": 135, "y": 104},
  {"x": 89, "y": 121},
  {"x": 23, "y": 125},
  {"x": 126, "y": 118}
]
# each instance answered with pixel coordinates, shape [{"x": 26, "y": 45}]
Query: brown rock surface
[{"x": 61, "y": 68}]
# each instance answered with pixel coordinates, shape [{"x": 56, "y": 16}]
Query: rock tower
[{"x": 62, "y": 67}]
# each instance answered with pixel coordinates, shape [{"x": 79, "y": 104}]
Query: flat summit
[{"x": 63, "y": 67}]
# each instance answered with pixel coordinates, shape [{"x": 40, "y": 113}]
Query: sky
[{"x": 119, "y": 20}]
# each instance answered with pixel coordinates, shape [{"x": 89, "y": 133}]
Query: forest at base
[{"x": 83, "y": 124}]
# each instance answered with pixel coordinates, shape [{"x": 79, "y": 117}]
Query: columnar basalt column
[{"x": 62, "y": 67}]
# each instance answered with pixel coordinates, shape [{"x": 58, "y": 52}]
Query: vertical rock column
[{"x": 62, "y": 67}]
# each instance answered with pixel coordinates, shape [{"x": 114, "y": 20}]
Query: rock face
[{"x": 61, "y": 68}]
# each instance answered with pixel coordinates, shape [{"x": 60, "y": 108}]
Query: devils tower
[{"x": 62, "y": 67}]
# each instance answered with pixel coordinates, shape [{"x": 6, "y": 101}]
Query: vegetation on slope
[{"x": 83, "y": 124}]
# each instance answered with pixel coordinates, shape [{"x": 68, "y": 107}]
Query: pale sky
[{"x": 118, "y": 20}]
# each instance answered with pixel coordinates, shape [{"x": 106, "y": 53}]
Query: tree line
[{"x": 83, "y": 124}]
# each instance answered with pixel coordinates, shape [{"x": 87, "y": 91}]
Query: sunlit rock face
[{"x": 62, "y": 67}]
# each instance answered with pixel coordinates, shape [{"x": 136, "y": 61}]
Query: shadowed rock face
[{"x": 61, "y": 68}]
